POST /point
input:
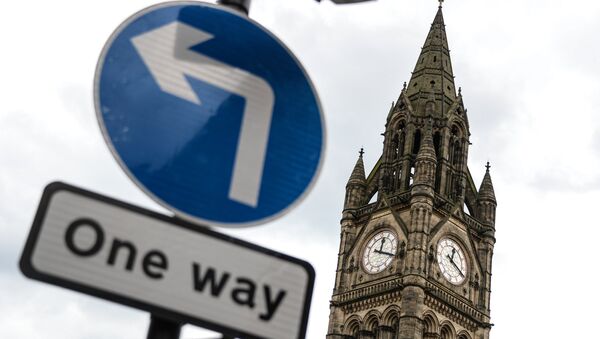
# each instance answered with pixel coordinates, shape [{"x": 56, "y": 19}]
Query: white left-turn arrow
[{"x": 166, "y": 52}]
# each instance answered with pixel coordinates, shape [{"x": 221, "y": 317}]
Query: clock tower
[{"x": 417, "y": 236}]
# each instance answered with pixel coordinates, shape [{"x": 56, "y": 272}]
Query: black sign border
[{"x": 30, "y": 271}]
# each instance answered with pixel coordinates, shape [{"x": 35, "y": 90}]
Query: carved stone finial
[
  {"x": 361, "y": 152},
  {"x": 487, "y": 167}
]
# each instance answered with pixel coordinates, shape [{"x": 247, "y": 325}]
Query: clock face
[
  {"x": 379, "y": 252},
  {"x": 451, "y": 259}
]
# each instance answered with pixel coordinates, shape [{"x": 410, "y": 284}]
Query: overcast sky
[{"x": 530, "y": 74}]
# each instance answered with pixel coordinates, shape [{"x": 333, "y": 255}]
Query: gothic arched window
[
  {"x": 429, "y": 327},
  {"x": 390, "y": 323},
  {"x": 417, "y": 142},
  {"x": 457, "y": 153},
  {"x": 401, "y": 136},
  {"x": 437, "y": 144},
  {"x": 352, "y": 329},
  {"x": 446, "y": 332},
  {"x": 395, "y": 147},
  {"x": 455, "y": 146}
]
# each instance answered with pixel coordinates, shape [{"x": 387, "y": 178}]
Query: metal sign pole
[
  {"x": 161, "y": 328},
  {"x": 240, "y": 5}
]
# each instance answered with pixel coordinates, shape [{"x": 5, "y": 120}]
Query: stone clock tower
[{"x": 416, "y": 262}]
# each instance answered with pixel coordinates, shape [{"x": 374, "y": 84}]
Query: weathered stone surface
[{"x": 423, "y": 184}]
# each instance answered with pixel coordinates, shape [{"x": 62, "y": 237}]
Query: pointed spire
[
  {"x": 439, "y": 17},
  {"x": 486, "y": 190},
  {"x": 433, "y": 67},
  {"x": 358, "y": 173},
  {"x": 357, "y": 185},
  {"x": 390, "y": 113}
]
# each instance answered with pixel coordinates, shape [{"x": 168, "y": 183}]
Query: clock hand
[
  {"x": 458, "y": 269},
  {"x": 452, "y": 257},
  {"x": 382, "y": 252},
  {"x": 453, "y": 252},
  {"x": 381, "y": 247},
  {"x": 455, "y": 266}
]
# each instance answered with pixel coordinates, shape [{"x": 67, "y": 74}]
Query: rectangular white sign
[{"x": 172, "y": 268}]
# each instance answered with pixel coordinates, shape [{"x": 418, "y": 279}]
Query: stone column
[
  {"x": 411, "y": 325},
  {"x": 406, "y": 158},
  {"x": 445, "y": 145}
]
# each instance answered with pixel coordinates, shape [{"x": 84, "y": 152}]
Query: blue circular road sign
[{"x": 209, "y": 113}]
